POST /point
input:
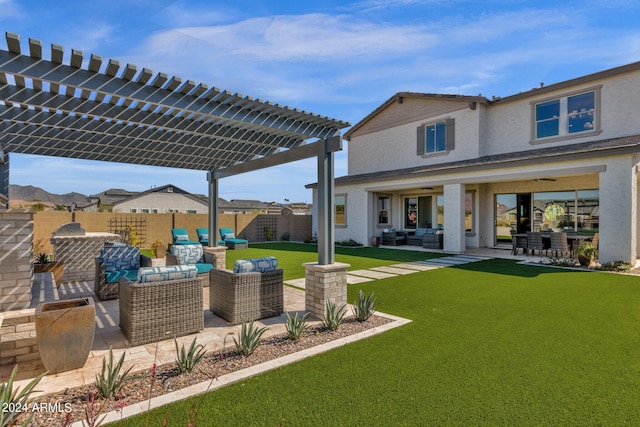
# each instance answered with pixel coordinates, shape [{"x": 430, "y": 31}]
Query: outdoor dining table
[{"x": 546, "y": 237}]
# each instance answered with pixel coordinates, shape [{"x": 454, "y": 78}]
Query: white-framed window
[
  {"x": 571, "y": 115},
  {"x": 154, "y": 210},
  {"x": 384, "y": 210},
  {"x": 438, "y": 137},
  {"x": 144, "y": 211},
  {"x": 191, "y": 211},
  {"x": 133, "y": 210},
  {"x": 341, "y": 209}
]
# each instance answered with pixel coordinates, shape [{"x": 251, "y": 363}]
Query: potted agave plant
[
  {"x": 587, "y": 253},
  {"x": 44, "y": 263}
]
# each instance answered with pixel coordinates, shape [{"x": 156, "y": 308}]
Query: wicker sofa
[
  {"x": 113, "y": 263},
  {"x": 192, "y": 254},
  {"x": 164, "y": 303},
  {"x": 254, "y": 290},
  {"x": 417, "y": 238},
  {"x": 393, "y": 237}
]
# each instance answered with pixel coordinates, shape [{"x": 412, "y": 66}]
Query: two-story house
[{"x": 558, "y": 157}]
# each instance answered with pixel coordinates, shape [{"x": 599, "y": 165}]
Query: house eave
[{"x": 609, "y": 147}]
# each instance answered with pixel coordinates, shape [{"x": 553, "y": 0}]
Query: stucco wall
[
  {"x": 395, "y": 147},
  {"x": 502, "y": 127},
  {"x": 509, "y": 125},
  {"x": 163, "y": 202}
]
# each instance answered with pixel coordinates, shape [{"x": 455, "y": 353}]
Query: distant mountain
[{"x": 36, "y": 194}]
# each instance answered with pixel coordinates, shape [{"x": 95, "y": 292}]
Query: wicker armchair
[
  {"x": 392, "y": 237},
  {"x": 156, "y": 311},
  {"x": 115, "y": 262},
  {"x": 240, "y": 297},
  {"x": 195, "y": 255}
]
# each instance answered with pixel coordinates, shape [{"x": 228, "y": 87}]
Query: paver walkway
[{"x": 387, "y": 271}]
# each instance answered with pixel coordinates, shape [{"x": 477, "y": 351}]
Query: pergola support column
[
  {"x": 325, "y": 280},
  {"x": 4, "y": 179},
  {"x": 220, "y": 252},
  {"x": 324, "y": 283}
]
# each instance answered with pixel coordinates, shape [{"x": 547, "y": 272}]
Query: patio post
[
  {"x": 218, "y": 251},
  {"x": 326, "y": 222},
  {"x": 325, "y": 280},
  {"x": 454, "y": 228},
  {"x": 4, "y": 179}
]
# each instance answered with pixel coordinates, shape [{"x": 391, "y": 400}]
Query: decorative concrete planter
[
  {"x": 64, "y": 331},
  {"x": 161, "y": 251},
  {"x": 55, "y": 267}
]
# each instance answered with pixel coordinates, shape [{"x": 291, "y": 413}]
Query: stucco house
[{"x": 558, "y": 157}]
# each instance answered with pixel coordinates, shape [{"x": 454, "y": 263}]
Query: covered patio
[{"x": 86, "y": 108}]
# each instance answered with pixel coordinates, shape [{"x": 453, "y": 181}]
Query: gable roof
[
  {"x": 169, "y": 189},
  {"x": 400, "y": 96}
]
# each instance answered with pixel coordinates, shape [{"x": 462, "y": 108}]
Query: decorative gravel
[{"x": 144, "y": 385}]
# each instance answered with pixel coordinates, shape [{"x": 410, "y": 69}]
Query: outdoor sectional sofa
[
  {"x": 417, "y": 238},
  {"x": 164, "y": 303}
]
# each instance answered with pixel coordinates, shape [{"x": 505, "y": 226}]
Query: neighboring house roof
[
  {"x": 111, "y": 196},
  {"x": 169, "y": 189},
  {"x": 628, "y": 144},
  {"x": 400, "y": 96}
]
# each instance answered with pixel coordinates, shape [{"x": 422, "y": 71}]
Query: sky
[{"x": 340, "y": 59}]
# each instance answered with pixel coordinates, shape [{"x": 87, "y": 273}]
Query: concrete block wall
[
  {"x": 16, "y": 259},
  {"x": 79, "y": 253},
  {"x": 18, "y": 342},
  {"x": 158, "y": 226}
]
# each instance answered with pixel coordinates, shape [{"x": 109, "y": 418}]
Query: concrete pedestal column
[
  {"x": 324, "y": 283},
  {"x": 454, "y": 229},
  {"x": 220, "y": 253}
]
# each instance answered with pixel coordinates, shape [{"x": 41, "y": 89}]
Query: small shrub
[
  {"x": 249, "y": 339},
  {"x": 14, "y": 402},
  {"x": 364, "y": 306},
  {"x": 110, "y": 380},
  {"x": 285, "y": 236},
  {"x": 188, "y": 359},
  {"x": 349, "y": 242},
  {"x": 296, "y": 325},
  {"x": 619, "y": 266},
  {"x": 42, "y": 258},
  {"x": 334, "y": 317}
]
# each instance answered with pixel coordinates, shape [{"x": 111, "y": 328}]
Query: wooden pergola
[{"x": 87, "y": 108}]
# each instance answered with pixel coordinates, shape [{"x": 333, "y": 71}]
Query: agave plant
[
  {"x": 334, "y": 316},
  {"x": 15, "y": 401},
  {"x": 296, "y": 325},
  {"x": 110, "y": 380},
  {"x": 249, "y": 339},
  {"x": 364, "y": 306},
  {"x": 188, "y": 359}
]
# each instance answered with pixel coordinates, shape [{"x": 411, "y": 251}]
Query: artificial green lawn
[
  {"x": 491, "y": 343},
  {"x": 292, "y": 256}
]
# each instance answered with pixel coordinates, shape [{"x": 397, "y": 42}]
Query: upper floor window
[
  {"x": 436, "y": 137},
  {"x": 567, "y": 116}
]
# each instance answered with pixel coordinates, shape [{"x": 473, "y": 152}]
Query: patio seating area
[{"x": 108, "y": 333}]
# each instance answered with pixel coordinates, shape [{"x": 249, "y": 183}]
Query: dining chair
[
  {"x": 559, "y": 244},
  {"x": 534, "y": 242}
]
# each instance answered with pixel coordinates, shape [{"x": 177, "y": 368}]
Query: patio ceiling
[{"x": 101, "y": 110}]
